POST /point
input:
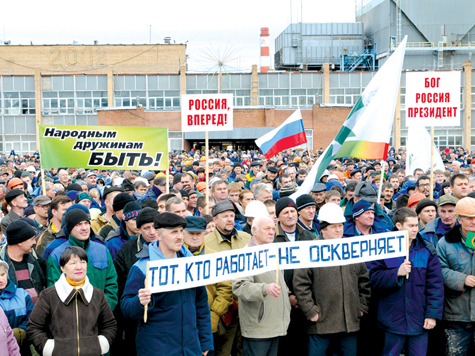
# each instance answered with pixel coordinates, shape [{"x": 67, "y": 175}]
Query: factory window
[
  {"x": 175, "y": 140},
  {"x": 16, "y": 103},
  {"x": 473, "y": 99}
]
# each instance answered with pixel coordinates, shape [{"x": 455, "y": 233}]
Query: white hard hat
[
  {"x": 118, "y": 181},
  {"x": 256, "y": 209},
  {"x": 331, "y": 213},
  {"x": 142, "y": 180}
]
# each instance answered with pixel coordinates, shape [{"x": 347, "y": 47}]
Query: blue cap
[
  {"x": 195, "y": 224},
  {"x": 360, "y": 207}
]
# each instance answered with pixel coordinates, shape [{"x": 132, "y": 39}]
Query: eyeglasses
[{"x": 424, "y": 185}]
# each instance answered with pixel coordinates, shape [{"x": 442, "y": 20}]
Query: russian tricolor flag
[{"x": 290, "y": 134}]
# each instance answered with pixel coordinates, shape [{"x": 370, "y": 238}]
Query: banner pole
[
  {"x": 381, "y": 181},
  {"x": 431, "y": 192},
  {"x": 407, "y": 252},
  {"x": 207, "y": 172},
  {"x": 43, "y": 182},
  {"x": 167, "y": 176},
  {"x": 147, "y": 286},
  {"x": 277, "y": 264}
]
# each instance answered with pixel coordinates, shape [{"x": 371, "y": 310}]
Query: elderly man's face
[{"x": 264, "y": 232}]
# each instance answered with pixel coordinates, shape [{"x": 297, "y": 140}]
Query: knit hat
[
  {"x": 19, "y": 231},
  {"x": 29, "y": 211},
  {"x": 284, "y": 203},
  {"x": 146, "y": 215},
  {"x": 305, "y": 200},
  {"x": 74, "y": 186},
  {"x": 149, "y": 203},
  {"x": 287, "y": 190},
  {"x": 177, "y": 178},
  {"x": 127, "y": 185},
  {"x": 360, "y": 207},
  {"x": 74, "y": 217},
  {"x": 12, "y": 194},
  {"x": 72, "y": 194},
  {"x": 424, "y": 203},
  {"x": 131, "y": 210},
  {"x": 82, "y": 196},
  {"x": 120, "y": 200},
  {"x": 31, "y": 223}
]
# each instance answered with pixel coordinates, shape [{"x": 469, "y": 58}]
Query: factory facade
[{"x": 324, "y": 70}]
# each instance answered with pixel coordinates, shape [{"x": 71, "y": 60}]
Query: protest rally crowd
[{"x": 73, "y": 258}]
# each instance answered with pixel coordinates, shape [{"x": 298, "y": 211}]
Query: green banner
[{"x": 104, "y": 147}]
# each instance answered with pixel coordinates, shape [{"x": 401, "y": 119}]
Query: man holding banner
[
  {"x": 264, "y": 306},
  {"x": 333, "y": 299},
  {"x": 178, "y": 321},
  {"x": 410, "y": 291}
]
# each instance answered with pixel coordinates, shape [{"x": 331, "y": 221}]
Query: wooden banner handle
[
  {"x": 408, "y": 245},
  {"x": 147, "y": 286},
  {"x": 277, "y": 265}
]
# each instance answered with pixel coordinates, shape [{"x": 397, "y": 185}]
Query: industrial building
[{"x": 320, "y": 68}]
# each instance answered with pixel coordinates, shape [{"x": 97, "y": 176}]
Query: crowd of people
[{"x": 74, "y": 253}]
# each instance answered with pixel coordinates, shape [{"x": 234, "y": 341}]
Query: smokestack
[{"x": 265, "y": 56}]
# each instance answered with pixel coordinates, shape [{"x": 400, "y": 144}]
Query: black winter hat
[
  {"x": 74, "y": 217},
  {"x": 109, "y": 190},
  {"x": 177, "y": 178},
  {"x": 145, "y": 216},
  {"x": 131, "y": 210},
  {"x": 120, "y": 200},
  {"x": 19, "y": 231},
  {"x": 149, "y": 203},
  {"x": 305, "y": 200},
  {"x": 73, "y": 186},
  {"x": 284, "y": 203},
  {"x": 424, "y": 203},
  {"x": 12, "y": 194},
  {"x": 127, "y": 186}
]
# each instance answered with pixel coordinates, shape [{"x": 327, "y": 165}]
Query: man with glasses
[{"x": 423, "y": 186}]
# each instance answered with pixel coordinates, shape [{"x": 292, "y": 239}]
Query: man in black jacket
[
  {"x": 125, "y": 259},
  {"x": 295, "y": 342}
]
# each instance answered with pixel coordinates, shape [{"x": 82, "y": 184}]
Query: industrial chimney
[{"x": 265, "y": 55}]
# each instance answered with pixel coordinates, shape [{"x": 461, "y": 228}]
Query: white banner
[
  {"x": 433, "y": 98},
  {"x": 182, "y": 273},
  {"x": 418, "y": 151},
  {"x": 206, "y": 112}
]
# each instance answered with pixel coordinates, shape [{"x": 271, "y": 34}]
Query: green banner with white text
[{"x": 104, "y": 147}]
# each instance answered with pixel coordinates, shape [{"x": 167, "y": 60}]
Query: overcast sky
[{"x": 209, "y": 27}]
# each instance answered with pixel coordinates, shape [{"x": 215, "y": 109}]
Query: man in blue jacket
[
  {"x": 410, "y": 292},
  {"x": 179, "y": 322}
]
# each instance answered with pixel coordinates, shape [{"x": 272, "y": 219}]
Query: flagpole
[
  {"x": 431, "y": 163},
  {"x": 383, "y": 163},
  {"x": 309, "y": 155}
]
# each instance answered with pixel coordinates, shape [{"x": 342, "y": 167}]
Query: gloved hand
[{"x": 20, "y": 335}]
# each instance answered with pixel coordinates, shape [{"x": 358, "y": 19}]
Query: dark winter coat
[
  {"x": 66, "y": 321},
  {"x": 338, "y": 294},
  {"x": 404, "y": 303}
]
